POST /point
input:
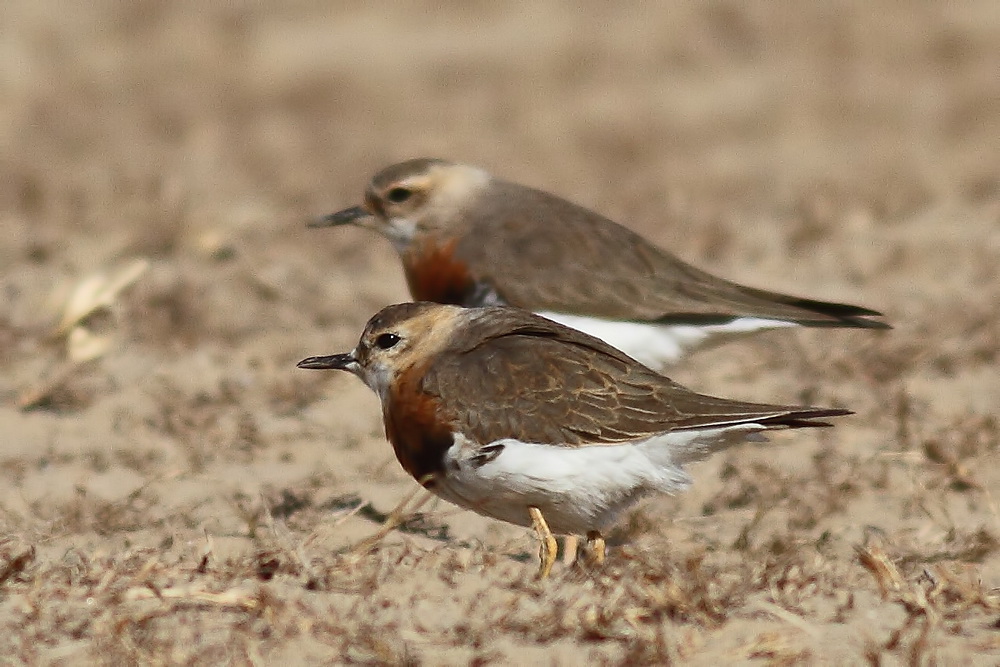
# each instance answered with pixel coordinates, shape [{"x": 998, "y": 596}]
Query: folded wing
[
  {"x": 556, "y": 385},
  {"x": 614, "y": 273}
]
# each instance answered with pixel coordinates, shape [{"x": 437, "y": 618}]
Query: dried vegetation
[{"x": 174, "y": 491}]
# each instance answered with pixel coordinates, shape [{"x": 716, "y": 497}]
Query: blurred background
[
  {"x": 146, "y": 126},
  {"x": 159, "y": 160}
]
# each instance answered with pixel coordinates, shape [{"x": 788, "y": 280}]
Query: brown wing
[
  {"x": 588, "y": 265},
  {"x": 551, "y": 384}
]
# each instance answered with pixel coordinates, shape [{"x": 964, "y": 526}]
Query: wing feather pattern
[
  {"x": 614, "y": 273},
  {"x": 551, "y": 384}
]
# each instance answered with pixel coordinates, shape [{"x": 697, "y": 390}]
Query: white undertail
[
  {"x": 658, "y": 345},
  {"x": 578, "y": 489}
]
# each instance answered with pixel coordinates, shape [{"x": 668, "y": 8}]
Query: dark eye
[
  {"x": 386, "y": 340},
  {"x": 398, "y": 195}
]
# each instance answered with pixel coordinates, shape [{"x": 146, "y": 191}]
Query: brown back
[
  {"x": 511, "y": 374},
  {"x": 585, "y": 264}
]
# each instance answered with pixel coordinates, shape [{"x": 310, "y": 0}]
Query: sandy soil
[{"x": 188, "y": 496}]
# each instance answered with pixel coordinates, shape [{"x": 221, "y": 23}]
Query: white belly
[
  {"x": 658, "y": 345},
  {"x": 578, "y": 489}
]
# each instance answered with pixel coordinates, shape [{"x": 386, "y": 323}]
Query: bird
[
  {"x": 467, "y": 238},
  {"x": 524, "y": 420}
]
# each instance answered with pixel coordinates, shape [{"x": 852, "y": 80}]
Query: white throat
[{"x": 400, "y": 232}]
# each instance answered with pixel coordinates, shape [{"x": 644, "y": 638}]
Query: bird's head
[
  {"x": 413, "y": 199},
  {"x": 397, "y": 339}
]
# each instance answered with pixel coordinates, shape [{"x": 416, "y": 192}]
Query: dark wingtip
[
  {"x": 805, "y": 418},
  {"x": 834, "y": 314},
  {"x": 861, "y": 323},
  {"x": 845, "y": 314},
  {"x": 847, "y": 322}
]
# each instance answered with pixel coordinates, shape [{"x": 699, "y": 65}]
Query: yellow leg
[
  {"x": 548, "y": 549},
  {"x": 597, "y": 547},
  {"x": 571, "y": 544}
]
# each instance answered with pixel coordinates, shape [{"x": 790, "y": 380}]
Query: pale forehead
[
  {"x": 413, "y": 317},
  {"x": 403, "y": 170},
  {"x": 448, "y": 178}
]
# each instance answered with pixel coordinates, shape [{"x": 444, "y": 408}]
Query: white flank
[
  {"x": 658, "y": 345},
  {"x": 578, "y": 489}
]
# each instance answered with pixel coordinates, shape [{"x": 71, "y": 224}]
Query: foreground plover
[{"x": 524, "y": 420}]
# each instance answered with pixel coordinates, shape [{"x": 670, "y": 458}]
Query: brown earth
[{"x": 189, "y": 496}]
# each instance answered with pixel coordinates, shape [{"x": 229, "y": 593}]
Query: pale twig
[
  {"x": 234, "y": 597},
  {"x": 393, "y": 520},
  {"x": 788, "y": 617}
]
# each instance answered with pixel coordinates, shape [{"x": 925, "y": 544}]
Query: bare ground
[{"x": 188, "y": 496}]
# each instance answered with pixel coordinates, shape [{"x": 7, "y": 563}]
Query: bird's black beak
[
  {"x": 345, "y": 217},
  {"x": 340, "y": 362}
]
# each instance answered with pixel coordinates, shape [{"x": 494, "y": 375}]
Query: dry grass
[{"x": 186, "y": 496}]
